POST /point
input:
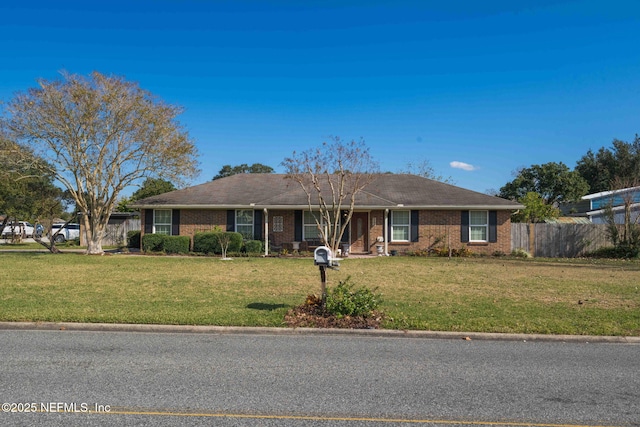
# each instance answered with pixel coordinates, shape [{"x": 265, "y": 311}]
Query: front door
[{"x": 360, "y": 232}]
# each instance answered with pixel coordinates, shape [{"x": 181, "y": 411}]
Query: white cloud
[{"x": 462, "y": 165}]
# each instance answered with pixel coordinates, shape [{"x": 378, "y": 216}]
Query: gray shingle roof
[{"x": 275, "y": 191}]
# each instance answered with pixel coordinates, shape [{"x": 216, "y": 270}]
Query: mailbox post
[{"x": 323, "y": 258}]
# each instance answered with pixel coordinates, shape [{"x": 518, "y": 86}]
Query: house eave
[
  {"x": 359, "y": 208},
  {"x": 610, "y": 193},
  {"x": 615, "y": 209}
]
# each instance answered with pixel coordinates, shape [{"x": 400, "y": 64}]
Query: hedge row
[
  {"x": 166, "y": 244},
  {"x": 209, "y": 243},
  {"x": 206, "y": 243}
]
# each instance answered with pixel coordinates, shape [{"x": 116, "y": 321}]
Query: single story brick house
[{"x": 397, "y": 212}]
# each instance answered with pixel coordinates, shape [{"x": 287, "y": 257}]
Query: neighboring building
[
  {"x": 396, "y": 211},
  {"x": 616, "y": 198}
]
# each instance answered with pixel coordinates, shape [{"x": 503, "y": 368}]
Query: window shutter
[
  {"x": 231, "y": 220},
  {"x": 297, "y": 224},
  {"x": 493, "y": 226},
  {"x": 464, "y": 227},
  {"x": 148, "y": 221},
  {"x": 415, "y": 229},
  {"x": 257, "y": 224},
  {"x": 175, "y": 222}
]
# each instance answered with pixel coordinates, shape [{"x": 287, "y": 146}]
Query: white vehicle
[
  {"x": 22, "y": 228},
  {"x": 70, "y": 232}
]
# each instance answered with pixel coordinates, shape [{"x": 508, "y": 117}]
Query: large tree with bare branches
[
  {"x": 100, "y": 134},
  {"x": 332, "y": 175}
]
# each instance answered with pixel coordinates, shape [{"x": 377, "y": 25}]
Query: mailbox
[{"x": 322, "y": 256}]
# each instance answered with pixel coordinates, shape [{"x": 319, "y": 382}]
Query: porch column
[
  {"x": 386, "y": 232},
  {"x": 266, "y": 231}
]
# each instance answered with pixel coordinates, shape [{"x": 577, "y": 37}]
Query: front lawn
[{"x": 590, "y": 297}]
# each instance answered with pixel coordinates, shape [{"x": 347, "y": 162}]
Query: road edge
[{"x": 388, "y": 333}]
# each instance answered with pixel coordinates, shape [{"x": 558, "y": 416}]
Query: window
[
  {"x": 400, "y": 226},
  {"x": 278, "y": 224},
  {"x": 162, "y": 221},
  {"x": 244, "y": 223},
  {"x": 478, "y": 226},
  {"x": 309, "y": 227}
]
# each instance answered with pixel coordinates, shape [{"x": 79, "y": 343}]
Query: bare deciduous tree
[
  {"x": 101, "y": 134},
  {"x": 332, "y": 175},
  {"x": 425, "y": 170},
  {"x": 629, "y": 239}
]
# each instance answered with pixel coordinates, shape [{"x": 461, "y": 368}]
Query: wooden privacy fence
[
  {"x": 116, "y": 232},
  {"x": 558, "y": 240}
]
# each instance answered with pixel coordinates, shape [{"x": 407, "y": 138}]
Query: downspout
[
  {"x": 266, "y": 232},
  {"x": 386, "y": 232}
]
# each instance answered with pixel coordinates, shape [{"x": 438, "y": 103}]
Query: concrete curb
[{"x": 386, "y": 333}]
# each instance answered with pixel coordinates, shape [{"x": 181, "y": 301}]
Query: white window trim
[
  {"x": 485, "y": 225},
  {"x": 252, "y": 224},
  {"x": 170, "y": 223},
  {"x": 309, "y": 224},
  {"x": 407, "y": 225}
]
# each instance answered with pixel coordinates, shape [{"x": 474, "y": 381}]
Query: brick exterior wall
[
  {"x": 194, "y": 221},
  {"x": 287, "y": 235},
  {"x": 436, "y": 229},
  {"x": 442, "y": 229}
]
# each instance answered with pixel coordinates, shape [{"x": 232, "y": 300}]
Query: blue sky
[{"x": 477, "y": 89}]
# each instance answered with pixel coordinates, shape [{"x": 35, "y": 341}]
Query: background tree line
[{"x": 542, "y": 188}]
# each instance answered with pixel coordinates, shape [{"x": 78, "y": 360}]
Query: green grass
[{"x": 477, "y": 294}]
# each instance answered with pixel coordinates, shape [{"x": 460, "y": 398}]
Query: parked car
[
  {"x": 18, "y": 228},
  {"x": 68, "y": 232}
]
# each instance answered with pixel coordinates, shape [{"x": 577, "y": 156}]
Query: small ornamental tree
[
  {"x": 626, "y": 236},
  {"x": 332, "y": 176}
]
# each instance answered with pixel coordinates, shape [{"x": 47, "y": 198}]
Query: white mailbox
[{"x": 322, "y": 256}]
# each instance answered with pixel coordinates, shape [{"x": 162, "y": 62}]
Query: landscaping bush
[
  {"x": 462, "y": 252},
  {"x": 616, "y": 252},
  {"x": 344, "y": 301},
  {"x": 176, "y": 244},
  {"x": 133, "y": 239},
  {"x": 209, "y": 242},
  {"x": 205, "y": 242},
  {"x": 153, "y": 242},
  {"x": 520, "y": 253},
  {"x": 253, "y": 246}
]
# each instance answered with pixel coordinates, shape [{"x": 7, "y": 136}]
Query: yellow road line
[{"x": 125, "y": 411}]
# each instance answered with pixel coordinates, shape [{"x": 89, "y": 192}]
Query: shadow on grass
[{"x": 265, "y": 306}]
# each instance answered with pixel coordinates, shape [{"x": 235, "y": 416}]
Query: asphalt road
[{"x": 123, "y": 378}]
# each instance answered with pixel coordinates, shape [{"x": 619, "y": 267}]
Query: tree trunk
[
  {"x": 51, "y": 246},
  {"x": 94, "y": 231},
  {"x": 94, "y": 246}
]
